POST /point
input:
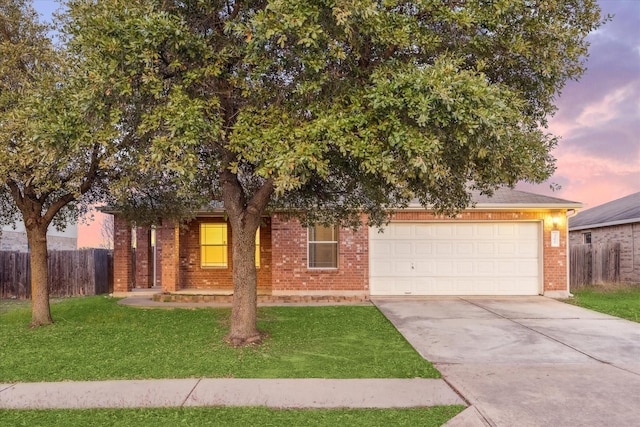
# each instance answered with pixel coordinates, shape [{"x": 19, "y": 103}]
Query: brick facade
[
  {"x": 292, "y": 276},
  {"x": 283, "y": 252},
  {"x": 169, "y": 235},
  {"x": 123, "y": 279},
  {"x": 194, "y": 276},
  {"x": 628, "y": 235}
]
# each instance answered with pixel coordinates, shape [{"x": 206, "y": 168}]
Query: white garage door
[{"x": 487, "y": 258}]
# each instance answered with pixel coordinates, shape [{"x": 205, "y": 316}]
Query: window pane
[
  {"x": 213, "y": 234},
  {"x": 214, "y": 256},
  {"x": 323, "y": 255},
  {"x": 213, "y": 241},
  {"x": 321, "y": 233},
  {"x": 258, "y": 247}
]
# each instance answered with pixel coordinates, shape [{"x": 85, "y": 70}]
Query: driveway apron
[{"x": 528, "y": 361}]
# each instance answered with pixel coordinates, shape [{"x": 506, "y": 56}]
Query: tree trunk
[
  {"x": 244, "y": 329},
  {"x": 40, "y": 310},
  {"x": 244, "y": 216}
]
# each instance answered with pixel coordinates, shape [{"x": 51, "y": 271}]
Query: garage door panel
[
  {"x": 465, "y": 267},
  {"x": 505, "y": 268},
  {"x": 442, "y": 268},
  {"x": 402, "y": 249},
  {"x": 508, "y": 249},
  {"x": 444, "y": 249},
  {"x": 528, "y": 249},
  {"x": 465, "y": 231},
  {"x": 485, "y": 248},
  {"x": 421, "y": 232},
  {"x": 465, "y": 248},
  {"x": 456, "y": 259},
  {"x": 484, "y": 231},
  {"x": 424, "y": 268},
  {"x": 423, "y": 248},
  {"x": 380, "y": 248},
  {"x": 528, "y": 268},
  {"x": 392, "y": 269}
]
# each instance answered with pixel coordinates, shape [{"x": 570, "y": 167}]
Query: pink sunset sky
[{"x": 598, "y": 119}]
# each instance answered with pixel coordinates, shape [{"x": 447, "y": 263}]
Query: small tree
[
  {"x": 57, "y": 138},
  {"x": 336, "y": 108}
]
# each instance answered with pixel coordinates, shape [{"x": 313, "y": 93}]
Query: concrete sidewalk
[{"x": 273, "y": 393}]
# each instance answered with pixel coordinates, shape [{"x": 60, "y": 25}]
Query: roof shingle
[{"x": 620, "y": 211}]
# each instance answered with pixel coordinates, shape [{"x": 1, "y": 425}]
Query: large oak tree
[{"x": 333, "y": 108}]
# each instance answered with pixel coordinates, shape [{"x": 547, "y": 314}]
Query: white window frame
[{"x": 335, "y": 231}]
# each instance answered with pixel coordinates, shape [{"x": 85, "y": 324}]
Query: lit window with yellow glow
[
  {"x": 258, "y": 247},
  {"x": 213, "y": 245}
]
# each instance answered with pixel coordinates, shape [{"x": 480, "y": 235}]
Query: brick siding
[
  {"x": 283, "y": 252},
  {"x": 194, "y": 276},
  {"x": 291, "y": 274},
  {"x": 122, "y": 264}
]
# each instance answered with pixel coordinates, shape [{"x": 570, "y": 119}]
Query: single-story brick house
[
  {"x": 616, "y": 221},
  {"x": 514, "y": 243}
]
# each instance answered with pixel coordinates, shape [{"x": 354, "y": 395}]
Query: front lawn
[
  {"x": 434, "y": 416},
  {"x": 622, "y": 301},
  {"x": 94, "y": 338}
]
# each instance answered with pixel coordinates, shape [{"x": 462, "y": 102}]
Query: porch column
[
  {"x": 144, "y": 258},
  {"x": 170, "y": 237},
  {"x": 122, "y": 255}
]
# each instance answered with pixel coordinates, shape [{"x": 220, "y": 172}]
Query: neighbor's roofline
[{"x": 604, "y": 224}]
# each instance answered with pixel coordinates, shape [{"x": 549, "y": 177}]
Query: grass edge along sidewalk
[
  {"x": 241, "y": 417},
  {"x": 94, "y": 338}
]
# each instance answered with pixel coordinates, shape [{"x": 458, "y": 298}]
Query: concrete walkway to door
[{"x": 527, "y": 361}]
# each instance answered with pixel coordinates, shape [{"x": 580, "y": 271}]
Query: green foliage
[
  {"x": 94, "y": 338},
  {"x": 339, "y": 107},
  {"x": 621, "y": 302},
  {"x": 428, "y": 417},
  {"x": 50, "y": 127}
]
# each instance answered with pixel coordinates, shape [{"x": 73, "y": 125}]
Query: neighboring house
[
  {"x": 514, "y": 243},
  {"x": 615, "y": 222},
  {"x": 14, "y": 238}
]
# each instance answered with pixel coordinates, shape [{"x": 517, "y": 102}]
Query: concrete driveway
[{"x": 527, "y": 361}]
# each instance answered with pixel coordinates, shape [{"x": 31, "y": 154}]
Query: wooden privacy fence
[
  {"x": 71, "y": 273},
  {"x": 594, "y": 263}
]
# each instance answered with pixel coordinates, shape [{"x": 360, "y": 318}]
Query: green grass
[
  {"x": 621, "y": 301},
  {"x": 94, "y": 338},
  {"x": 434, "y": 416},
  {"x": 7, "y": 305}
]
